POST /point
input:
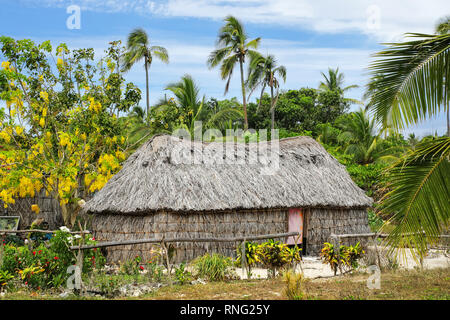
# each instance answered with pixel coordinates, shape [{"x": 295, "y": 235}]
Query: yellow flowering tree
[{"x": 58, "y": 125}]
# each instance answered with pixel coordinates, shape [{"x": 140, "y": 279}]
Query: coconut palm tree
[
  {"x": 264, "y": 72},
  {"x": 233, "y": 47},
  {"x": 335, "y": 82},
  {"x": 410, "y": 82},
  {"x": 443, "y": 27},
  {"x": 139, "y": 48},
  {"x": 188, "y": 104},
  {"x": 360, "y": 137}
]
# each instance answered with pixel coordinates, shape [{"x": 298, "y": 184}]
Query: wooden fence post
[
  {"x": 80, "y": 258},
  {"x": 244, "y": 260},
  {"x": 166, "y": 253},
  {"x": 2, "y": 248}
]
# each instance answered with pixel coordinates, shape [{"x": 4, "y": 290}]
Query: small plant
[
  {"x": 214, "y": 267},
  {"x": 294, "y": 289},
  {"x": 276, "y": 255},
  {"x": 154, "y": 271},
  {"x": 132, "y": 267},
  {"x": 347, "y": 258},
  {"x": 108, "y": 285},
  {"x": 5, "y": 278},
  {"x": 251, "y": 254},
  {"x": 182, "y": 275}
]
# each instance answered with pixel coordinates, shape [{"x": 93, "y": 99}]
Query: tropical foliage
[
  {"x": 410, "y": 83},
  {"x": 59, "y": 131}
]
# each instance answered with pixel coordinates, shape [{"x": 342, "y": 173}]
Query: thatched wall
[
  {"x": 194, "y": 225},
  {"x": 50, "y": 210},
  {"x": 320, "y": 223}
]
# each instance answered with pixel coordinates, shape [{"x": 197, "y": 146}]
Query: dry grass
[
  {"x": 401, "y": 285},
  {"x": 410, "y": 285}
]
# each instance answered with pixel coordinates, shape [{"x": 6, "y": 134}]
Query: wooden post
[
  {"x": 2, "y": 249},
  {"x": 80, "y": 258},
  {"x": 166, "y": 253},
  {"x": 244, "y": 260},
  {"x": 337, "y": 249},
  {"x": 375, "y": 240}
]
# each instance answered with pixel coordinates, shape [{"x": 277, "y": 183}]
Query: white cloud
[{"x": 386, "y": 20}]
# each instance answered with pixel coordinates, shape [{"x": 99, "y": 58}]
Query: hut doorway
[{"x": 295, "y": 224}]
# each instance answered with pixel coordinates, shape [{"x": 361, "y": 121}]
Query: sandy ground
[{"x": 313, "y": 267}]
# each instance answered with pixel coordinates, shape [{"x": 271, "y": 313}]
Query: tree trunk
[
  {"x": 272, "y": 109},
  {"x": 244, "y": 103},
  {"x": 146, "y": 85}
]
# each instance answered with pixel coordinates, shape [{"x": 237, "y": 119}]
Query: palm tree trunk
[
  {"x": 272, "y": 109},
  {"x": 244, "y": 103},
  {"x": 146, "y": 85}
]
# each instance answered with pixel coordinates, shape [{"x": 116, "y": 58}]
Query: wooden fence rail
[
  {"x": 3, "y": 232},
  {"x": 167, "y": 240}
]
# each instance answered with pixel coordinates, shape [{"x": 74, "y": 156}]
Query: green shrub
[
  {"x": 5, "y": 277},
  {"x": 347, "y": 259},
  {"x": 154, "y": 271},
  {"x": 132, "y": 266},
  {"x": 182, "y": 275},
  {"x": 251, "y": 254},
  {"x": 213, "y": 267},
  {"x": 275, "y": 255},
  {"x": 44, "y": 264}
]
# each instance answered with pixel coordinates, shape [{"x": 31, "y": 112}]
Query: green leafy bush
[
  {"x": 132, "y": 266},
  {"x": 275, "y": 255},
  {"x": 182, "y": 275},
  {"x": 5, "y": 277},
  {"x": 214, "y": 267},
  {"x": 43, "y": 265},
  {"x": 347, "y": 258}
]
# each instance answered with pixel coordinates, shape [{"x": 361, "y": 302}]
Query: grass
[{"x": 400, "y": 285}]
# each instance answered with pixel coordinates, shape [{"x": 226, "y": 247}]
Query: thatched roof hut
[{"x": 168, "y": 184}]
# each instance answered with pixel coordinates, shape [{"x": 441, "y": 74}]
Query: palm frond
[
  {"x": 410, "y": 80},
  {"x": 160, "y": 52},
  {"x": 419, "y": 200}
]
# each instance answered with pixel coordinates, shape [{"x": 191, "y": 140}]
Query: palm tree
[
  {"x": 138, "y": 48},
  {"x": 263, "y": 71},
  {"x": 233, "y": 47},
  {"x": 360, "y": 137},
  {"x": 190, "y": 106},
  {"x": 335, "y": 82},
  {"x": 443, "y": 27},
  {"x": 410, "y": 83}
]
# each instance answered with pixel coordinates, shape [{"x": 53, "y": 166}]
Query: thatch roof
[{"x": 160, "y": 175}]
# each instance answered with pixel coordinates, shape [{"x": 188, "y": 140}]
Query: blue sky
[{"x": 306, "y": 36}]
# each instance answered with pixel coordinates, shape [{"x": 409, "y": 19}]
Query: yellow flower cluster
[
  {"x": 108, "y": 163},
  {"x": 19, "y": 130},
  {"x": 44, "y": 95},
  {"x": 35, "y": 208},
  {"x": 4, "y": 135},
  {"x": 26, "y": 187},
  {"x": 7, "y": 197},
  {"x": 94, "y": 105},
  {"x": 5, "y": 65},
  {"x": 64, "y": 139}
]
